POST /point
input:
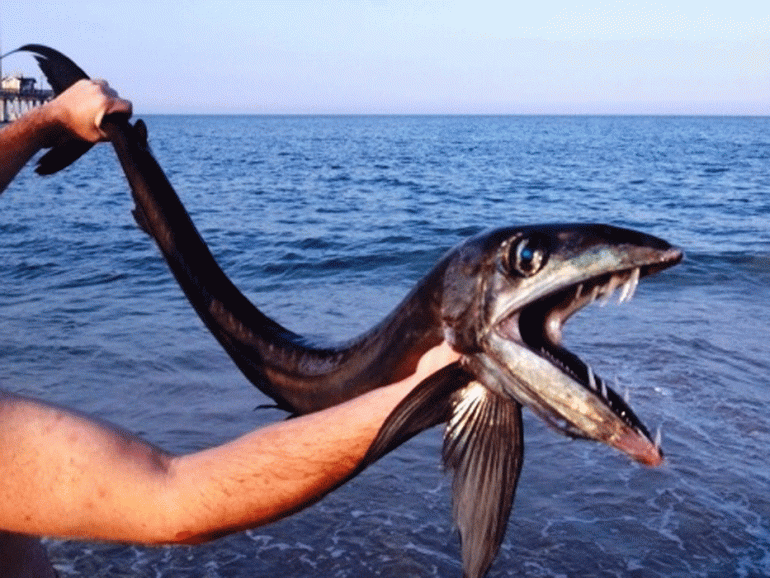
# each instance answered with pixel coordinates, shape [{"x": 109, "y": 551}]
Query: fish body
[{"x": 500, "y": 298}]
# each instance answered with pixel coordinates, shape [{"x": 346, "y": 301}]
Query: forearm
[
  {"x": 67, "y": 475},
  {"x": 75, "y": 113},
  {"x": 275, "y": 471},
  {"x": 20, "y": 140},
  {"x": 278, "y": 469}
]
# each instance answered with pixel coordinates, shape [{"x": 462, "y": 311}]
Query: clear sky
[{"x": 475, "y": 56}]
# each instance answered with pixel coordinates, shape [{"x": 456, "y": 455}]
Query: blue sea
[{"x": 326, "y": 223}]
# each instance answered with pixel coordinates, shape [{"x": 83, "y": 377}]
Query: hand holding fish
[
  {"x": 71, "y": 122},
  {"x": 80, "y": 109}
]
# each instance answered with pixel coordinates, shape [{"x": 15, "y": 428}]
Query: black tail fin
[
  {"x": 59, "y": 70},
  {"x": 61, "y": 73}
]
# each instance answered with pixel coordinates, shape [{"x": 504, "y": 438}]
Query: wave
[{"x": 729, "y": 269}]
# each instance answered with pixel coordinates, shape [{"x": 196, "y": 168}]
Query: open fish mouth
[{"x": 538, "y": 327}]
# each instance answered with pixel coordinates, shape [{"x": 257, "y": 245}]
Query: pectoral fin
[
  {"x": 484, "y": 447},
  {"x": 428, "y": 404}
]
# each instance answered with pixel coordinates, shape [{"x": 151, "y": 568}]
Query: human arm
[
  {"x": 68, "y": 475},
  {"x": 76, "y": 112}
]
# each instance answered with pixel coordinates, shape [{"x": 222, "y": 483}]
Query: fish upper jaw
[{"x": 524, "y": 356}]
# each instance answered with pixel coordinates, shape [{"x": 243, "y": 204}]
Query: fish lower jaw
[
  {"x": 638, "y": 447},
  {"x": 623, "y": 430}
]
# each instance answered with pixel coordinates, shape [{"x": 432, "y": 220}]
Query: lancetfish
[{"x": 500, "y": 299}]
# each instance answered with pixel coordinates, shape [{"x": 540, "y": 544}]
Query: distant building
[
  {"x": 19, "y": 83},
  {"x": 18, "y": 95}
]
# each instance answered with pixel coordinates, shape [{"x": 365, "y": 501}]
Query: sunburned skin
[{"x": 69, "y": 475}]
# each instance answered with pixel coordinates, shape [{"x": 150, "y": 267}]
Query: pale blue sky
[{"x": 476, "y": 56}]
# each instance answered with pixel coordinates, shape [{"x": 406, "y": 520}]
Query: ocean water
[{"x": 326, "y": 223}]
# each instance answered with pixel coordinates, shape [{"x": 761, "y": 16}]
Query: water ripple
[{"x": 326, "y": 223}]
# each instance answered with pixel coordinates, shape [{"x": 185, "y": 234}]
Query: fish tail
[{"x": 61, "y": 73}]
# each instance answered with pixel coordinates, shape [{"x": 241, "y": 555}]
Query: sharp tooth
[
  {"x": 658, "y": 437},
  {"x": 594, "y": 293},
  {"x": 634, "y": 282},
  {"x": 591, "y": 378},
  {"x": 625, "y": 289},
  {"x": 604, "y": 389},
  {"x": 629, "y": 287},
  {"x": 578, "y": 293},
  {"x": 609, "y": 289},
  {"x": 626, "y": 391}
]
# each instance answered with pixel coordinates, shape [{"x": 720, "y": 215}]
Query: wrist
[{"x": 50, "y": 124}]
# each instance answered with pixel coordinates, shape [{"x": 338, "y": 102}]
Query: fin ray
[{"x": 484, "y": 447}]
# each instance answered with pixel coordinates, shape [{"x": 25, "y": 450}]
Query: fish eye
[{"x": 527, "y": 255}]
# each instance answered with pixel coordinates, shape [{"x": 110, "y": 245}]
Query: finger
[
  {"x": 98, "y": 122},
  {"x": 120, "y": 106}
]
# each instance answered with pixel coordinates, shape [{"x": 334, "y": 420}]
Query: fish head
[{"x": 508, "y": 294}]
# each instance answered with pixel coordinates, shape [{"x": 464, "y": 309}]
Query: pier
[{"x": 18, "y": 95}]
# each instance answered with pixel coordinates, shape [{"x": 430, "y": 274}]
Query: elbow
[
  {"x": 188, "y": 514},
  {"x": 192, "y": 538},
  {"x": 193, "y": 534}
]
